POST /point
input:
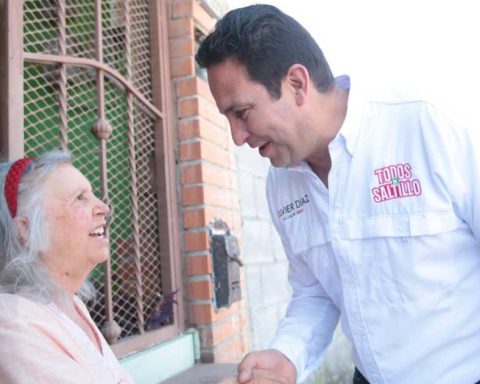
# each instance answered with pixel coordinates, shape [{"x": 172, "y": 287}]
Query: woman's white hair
[{"x": 21, "y": 270}]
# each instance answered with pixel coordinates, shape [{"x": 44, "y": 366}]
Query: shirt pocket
[
  {"x": 408, "y": 259},
  {"x": 400, "y": 225}
]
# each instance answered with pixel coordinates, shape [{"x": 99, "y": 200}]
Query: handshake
[
  {"x": 259, "y": 376},
  {"x": 264, "y": 367}
]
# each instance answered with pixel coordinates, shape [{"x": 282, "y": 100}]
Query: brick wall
[{"x": 208, "y": 187}]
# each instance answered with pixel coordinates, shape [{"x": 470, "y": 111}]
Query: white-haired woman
[{"x": 52, "y": 234}]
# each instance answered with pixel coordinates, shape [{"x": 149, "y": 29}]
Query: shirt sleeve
[
  {"x": 311, "y": 317},
  {"x": 30, "y": 354},
  {"x": 307, "y": 329},
  {"x": 469, "y": 168},
  {"x": 459, "y": 161}
]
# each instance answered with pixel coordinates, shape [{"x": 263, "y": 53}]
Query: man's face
[{"x": 255, "y": 117}]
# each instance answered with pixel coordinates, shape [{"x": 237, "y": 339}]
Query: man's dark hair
[{"x": 267, "y": 42}]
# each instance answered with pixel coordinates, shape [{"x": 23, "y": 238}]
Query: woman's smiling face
[{"x": 76, "y": 222}]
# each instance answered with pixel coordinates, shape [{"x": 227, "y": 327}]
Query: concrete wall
[{"x": 265, "y": 262}]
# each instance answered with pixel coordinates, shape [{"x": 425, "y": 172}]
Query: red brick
[
  {"x": 207, "y": 173},
  {"x": 182, "y": 47},
  {"x": 189, "y": 107},
  {"x": 183, "y": 8},
  {"x": 198, "y": 106},
  {"x": 186, "y": 87},
  {"x": 216, "y": 155},
  {"x": 200, "y": 290},
  {"x": 224, "y": 330},
  {"x": 190, "y": 151},
  {"x": 230, "y": 351},
  {"x": 201, "y": 217},
  {"x": 208, "y": 195},
  {"x": 201, "y": 313},
  {"x": 202, "y": 128},
  {"x": 229, "y": 344},
  {"x": 193, "y": 86},
  {"x": 209, "y": 111},
  {"x": 189, "y": 129},
  {"x": 204, "y": 172},
  {"x": 184, "y": 66},
  {"x": 180, "y": 28},
  {"x": 202, "y": 150},
  {"x": 206, "y": 314},
  {"x": 195, "y": 218},
  {"x": 191, "y": 174},
  {"x": 219, "y": 135},
  {"x": 196, "y": 241},
  {"x": 199, "y": 265},
  {"x": 193, "y": 196}
]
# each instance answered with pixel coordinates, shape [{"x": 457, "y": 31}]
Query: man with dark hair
[{"x": 378, "y": 215}]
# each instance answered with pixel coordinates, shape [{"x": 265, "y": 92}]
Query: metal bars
[{"x": 89, "y": 64}]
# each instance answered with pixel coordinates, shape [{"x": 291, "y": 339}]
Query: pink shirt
[{"x": 40, "y": 344}]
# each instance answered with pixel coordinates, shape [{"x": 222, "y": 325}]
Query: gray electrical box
[{"x": 226, "y": 264}]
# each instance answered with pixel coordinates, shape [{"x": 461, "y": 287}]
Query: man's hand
[{"x": 266, "y": 367}]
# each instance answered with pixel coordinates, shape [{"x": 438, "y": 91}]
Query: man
[{"x": 376, "y": 203}]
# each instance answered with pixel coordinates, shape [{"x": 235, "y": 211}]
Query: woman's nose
[{"x": 101, "y": 207}]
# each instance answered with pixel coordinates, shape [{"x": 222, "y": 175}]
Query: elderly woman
[{"x": 52, "y": 234}]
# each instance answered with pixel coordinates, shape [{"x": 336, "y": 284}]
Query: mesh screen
[
  {"x": 141, "y": 48},
  {"x": 80, "y": 28},
  {"x": 40, "y": 31},
  {"x": 113, "y": 26},
  {"x": 41, "y": 108},
  {"x": 42, "y": 133}
]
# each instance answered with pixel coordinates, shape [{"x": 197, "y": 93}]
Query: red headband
[{"x": 12, "y": 182}]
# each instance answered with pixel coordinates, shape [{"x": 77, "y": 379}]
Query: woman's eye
[{"x": 81, "y": 197}]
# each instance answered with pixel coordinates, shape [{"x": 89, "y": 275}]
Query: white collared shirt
[{"x": 392, "y": 247}]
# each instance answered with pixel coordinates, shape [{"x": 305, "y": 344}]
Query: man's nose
[{"x": 239, "y": 133}]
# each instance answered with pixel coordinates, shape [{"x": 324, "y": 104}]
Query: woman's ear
[
  {"x": 22, "y": 226},
  {"x": 298, "y": 80}
]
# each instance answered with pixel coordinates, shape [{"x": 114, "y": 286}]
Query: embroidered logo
[
  {"x": 294, "y": 208},
  {"x": 395, "y": 182}
]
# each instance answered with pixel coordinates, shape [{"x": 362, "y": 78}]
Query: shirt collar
[
  {"x": 355, "y": 108},
  {"x": 348, "y": 133},
  {"x": 301, "y": 166}
]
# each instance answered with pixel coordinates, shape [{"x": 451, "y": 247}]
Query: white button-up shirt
[{"x": 392, "y": 247}]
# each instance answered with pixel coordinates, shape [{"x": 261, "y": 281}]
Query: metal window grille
[{"x": 88, "y": 63}]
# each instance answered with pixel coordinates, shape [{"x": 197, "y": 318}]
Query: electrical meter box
[{"x": 226, "y": 264}]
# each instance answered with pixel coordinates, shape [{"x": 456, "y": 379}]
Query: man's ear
[
  {"x": 298, "y": 80},
  {"x": 22, "y": 226}
]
